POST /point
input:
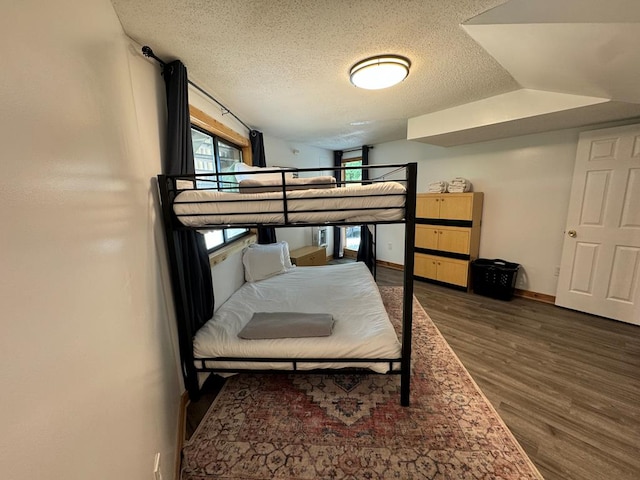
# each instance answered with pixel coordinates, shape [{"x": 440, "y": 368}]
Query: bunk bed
[{"x": 292, "y": 198}]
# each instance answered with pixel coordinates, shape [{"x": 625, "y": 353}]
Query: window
[
  {"x": 352, "y": 177},
  {"x": 214, "y": 155}
]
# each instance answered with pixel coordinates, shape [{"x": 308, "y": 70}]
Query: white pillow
[
  {"x": 284, "y": 246},
  {"x": 240, "y": 168},
  {"x": 261, "y": 263}
]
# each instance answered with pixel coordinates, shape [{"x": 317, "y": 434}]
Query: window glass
[
  {"x": 352, "y": 177},
  {"x": 213, "y": 155}
]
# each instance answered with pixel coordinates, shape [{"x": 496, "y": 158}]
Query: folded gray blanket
[{"x": 265, "y": 325}]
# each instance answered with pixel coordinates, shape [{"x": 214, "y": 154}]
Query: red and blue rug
[{"x": 281, "y": 426}]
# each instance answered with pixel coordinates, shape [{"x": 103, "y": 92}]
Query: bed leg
[{"x": 405, "y": 388}]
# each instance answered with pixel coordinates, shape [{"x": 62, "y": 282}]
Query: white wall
[
  {"x": 285, "y": 154},
  {"x": 228, "y": 276},
  {"x": 88, "y": 373},
  {"x": 526, "y": 182}
]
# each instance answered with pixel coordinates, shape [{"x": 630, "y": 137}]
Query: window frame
[{"x": 210, "y": 126}]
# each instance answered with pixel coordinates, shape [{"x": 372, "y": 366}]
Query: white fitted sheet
[
  {"x": 384, "y": 201},
  {"x": 347, "y": 291}
]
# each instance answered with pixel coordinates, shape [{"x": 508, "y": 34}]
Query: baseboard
[
  {"x": 182, "y": 422},
  {"x": 393, "y": 266},
  {"x": 540, "y": 297}
]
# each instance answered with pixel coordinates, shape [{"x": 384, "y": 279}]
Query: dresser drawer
[{"x": 309, "y": 256}]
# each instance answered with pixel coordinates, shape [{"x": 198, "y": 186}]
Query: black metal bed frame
[{"x": 168, "y": 186}]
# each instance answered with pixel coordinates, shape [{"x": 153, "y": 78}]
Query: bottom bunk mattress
[{"x": 348, "y": 292}]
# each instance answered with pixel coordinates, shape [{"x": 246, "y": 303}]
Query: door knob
[{"x": 572, "y": 233}]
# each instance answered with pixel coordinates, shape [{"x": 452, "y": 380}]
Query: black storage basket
[{"x": 494, "y": 278}]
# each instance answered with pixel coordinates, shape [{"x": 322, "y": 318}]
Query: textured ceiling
[{"x": 282, "y": 66}]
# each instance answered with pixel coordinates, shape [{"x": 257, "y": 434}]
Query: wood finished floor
[{"x": 567, "y": 384}]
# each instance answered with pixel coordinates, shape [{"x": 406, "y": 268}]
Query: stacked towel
[
  {"x": 459, "y": 185},
  {"x": 438, "y": 187}
]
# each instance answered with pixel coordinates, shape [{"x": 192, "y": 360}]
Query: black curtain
[
  {"x": 365, "y": 161},
  {"x": 265, "y": 234},
  {"x": 337, "y": 236},
  {"x": 366, "y": 250},
  {"x": 195, "y": 301}
]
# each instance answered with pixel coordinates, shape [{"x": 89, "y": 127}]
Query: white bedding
[
  {"x": 348, "y": 292},
  {"x": 386, "y": 201}
]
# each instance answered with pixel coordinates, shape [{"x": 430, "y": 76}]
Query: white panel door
[{"x": 600, "y": 268}]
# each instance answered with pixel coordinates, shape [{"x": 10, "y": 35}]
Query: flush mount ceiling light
[{"x": 381, "y": 71}]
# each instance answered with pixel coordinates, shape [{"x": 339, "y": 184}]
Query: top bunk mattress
[
  {"x": 378, "y": 202},
  {"x": 348, "y": 292}
]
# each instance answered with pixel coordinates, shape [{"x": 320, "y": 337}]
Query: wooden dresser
[
  {"x": 447, "y": 236},
  {"x": 309, "y": 256}
]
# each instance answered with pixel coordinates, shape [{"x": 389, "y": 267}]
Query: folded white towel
[
  {"x": 459, "y": 180},
  {"x": 437, "y": 187},
  {"x": 459, "y": 185}
]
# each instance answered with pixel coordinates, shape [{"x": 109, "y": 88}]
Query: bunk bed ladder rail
[{"x": 407, "y": 303}]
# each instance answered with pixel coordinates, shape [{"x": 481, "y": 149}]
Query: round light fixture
[{"x": 379, "y": 72}]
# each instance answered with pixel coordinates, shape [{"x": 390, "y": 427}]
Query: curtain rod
[
  {"x": 355, "y": 149},
  {"x": 147, "y": 52}
]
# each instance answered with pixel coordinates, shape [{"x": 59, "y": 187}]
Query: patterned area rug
[{"x": 353, "y": 427}]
